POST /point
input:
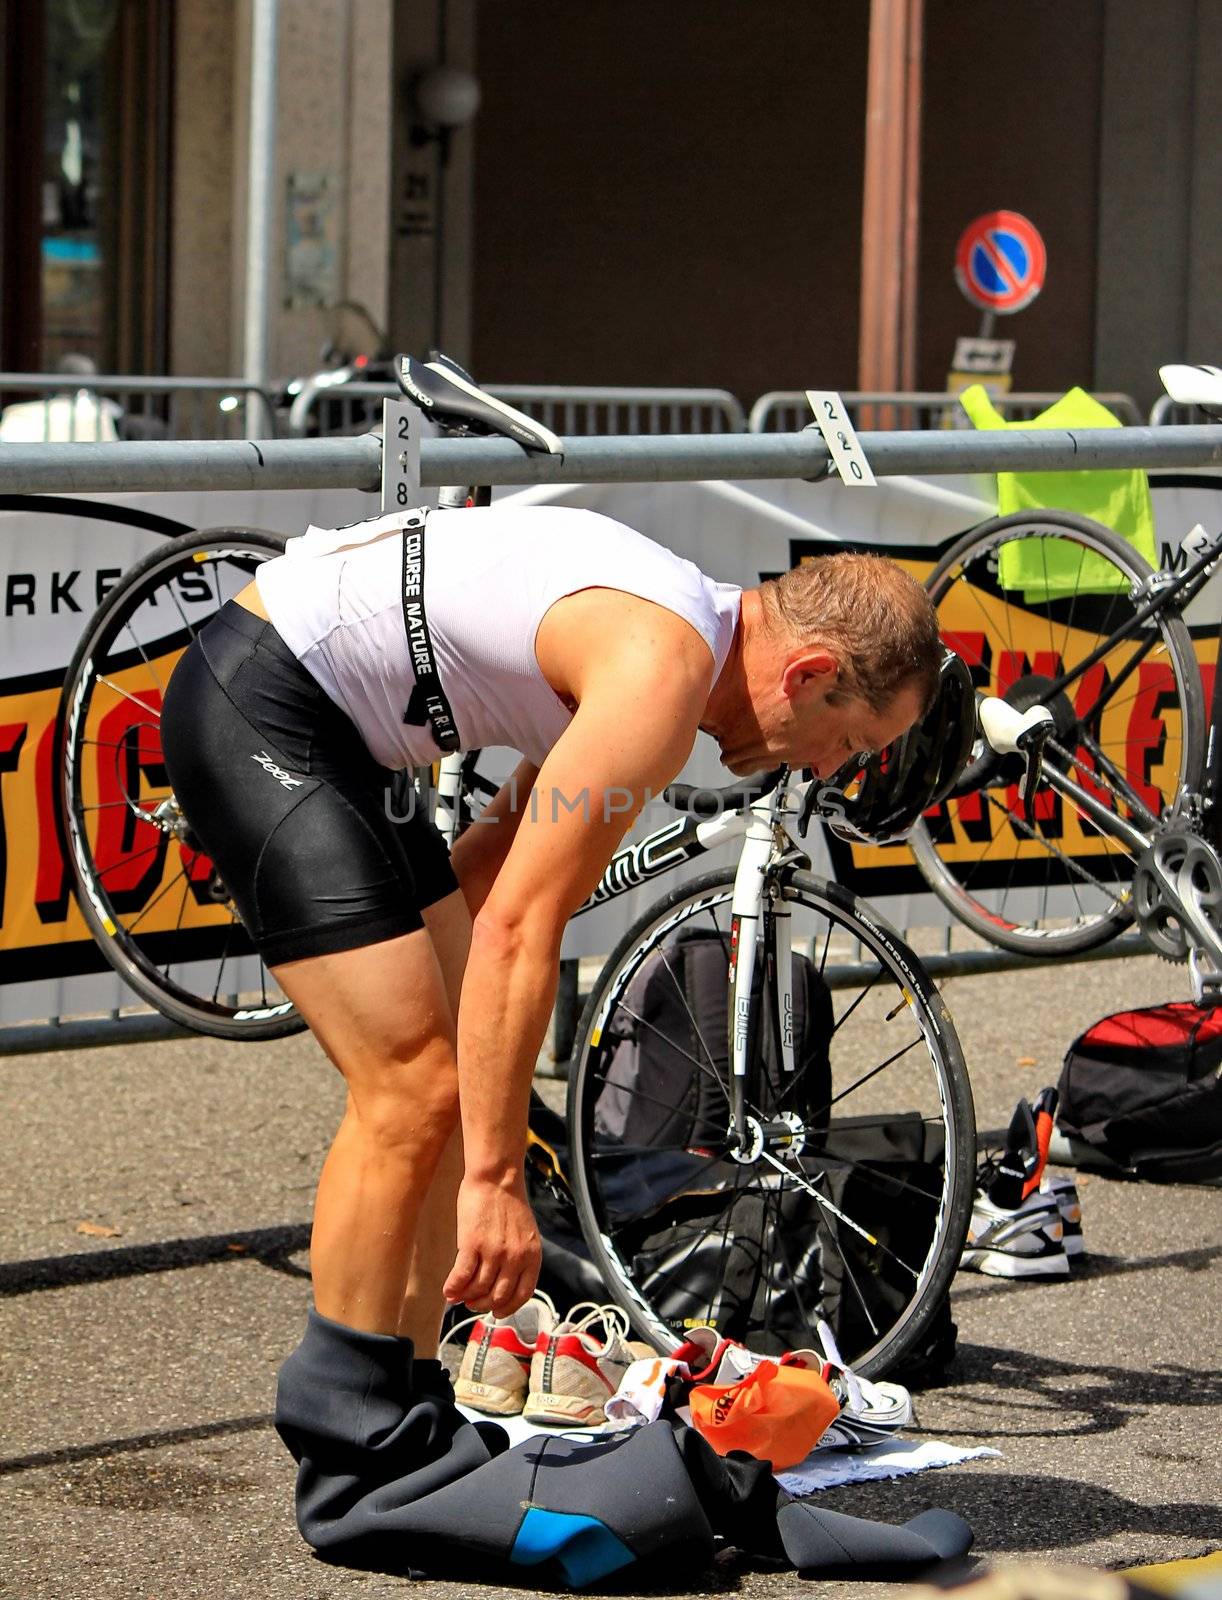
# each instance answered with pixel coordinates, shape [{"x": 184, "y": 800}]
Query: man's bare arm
[
  {"x": 631, "y": 734},
  {"x": 479, "y": 853}
]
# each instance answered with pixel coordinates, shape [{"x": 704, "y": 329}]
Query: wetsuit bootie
[
  {"x": 821, "y": 1541},
  {"x": 371, "y": 1429}
]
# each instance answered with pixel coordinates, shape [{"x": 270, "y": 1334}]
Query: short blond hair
[{"x": 873, "y": 616}]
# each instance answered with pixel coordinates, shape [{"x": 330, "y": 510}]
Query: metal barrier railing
[
  {"x": 1166, "y": 412},
  {"x": 92, "y": 1033},
  {"x": 100, "y": 409},
  {"x": 322, "y": 409},
  {"x": 784, "y": 410},
  {"x": 149, "y": 408},
  {"x": 355, "y": 463}
]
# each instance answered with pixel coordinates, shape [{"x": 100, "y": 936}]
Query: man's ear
[{"x": 814, "y": 667}]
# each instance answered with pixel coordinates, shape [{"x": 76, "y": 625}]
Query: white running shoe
[
  {"x": 1065, "y": 1192},
  {"x": 494, "y": 1367},
  {"x": 870, "y": 1412},
  {"x": 1026, "y": 1242}
]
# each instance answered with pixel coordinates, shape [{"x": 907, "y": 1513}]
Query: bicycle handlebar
[{"x": 700, "y": 801}]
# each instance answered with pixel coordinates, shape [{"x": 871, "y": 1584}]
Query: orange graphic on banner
[{"x": 159, "y": 883}]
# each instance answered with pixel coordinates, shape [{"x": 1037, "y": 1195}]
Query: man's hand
[{"x": 499, "y": 1250}]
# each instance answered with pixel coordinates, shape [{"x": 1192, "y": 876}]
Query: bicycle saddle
[
  {"x": 1194, "y": 386},
  {"x": 447, "y": 394}
]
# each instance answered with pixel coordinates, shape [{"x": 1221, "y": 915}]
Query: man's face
[{"x": 807, "y": 719}]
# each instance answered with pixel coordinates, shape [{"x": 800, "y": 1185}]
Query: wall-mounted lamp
[{"x": 442, "y": 99}]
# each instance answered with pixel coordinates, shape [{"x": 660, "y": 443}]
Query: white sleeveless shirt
[{"x": 491, "y": 573}]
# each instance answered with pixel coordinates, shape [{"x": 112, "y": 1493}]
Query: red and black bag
[{"x": 1145, "y": 1089}]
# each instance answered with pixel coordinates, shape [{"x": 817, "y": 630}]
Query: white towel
[{"x": 824, "y": 1469}]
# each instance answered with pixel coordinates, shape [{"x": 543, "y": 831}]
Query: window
[{"x": 85, "y": 168}]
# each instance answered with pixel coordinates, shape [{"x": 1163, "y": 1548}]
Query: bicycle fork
[{"x": 760, "y": 930}]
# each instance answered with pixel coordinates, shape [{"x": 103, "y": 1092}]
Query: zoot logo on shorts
[{"x": 285, "y": 779}]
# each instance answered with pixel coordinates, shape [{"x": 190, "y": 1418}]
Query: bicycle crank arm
[{"x": 1188, "y": 877}]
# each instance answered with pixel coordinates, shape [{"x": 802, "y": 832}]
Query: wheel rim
[
  {"x": 1122, "y": 735},
  {"x": 687, "y": 1234},
  {"x": 154, "y": 902}
]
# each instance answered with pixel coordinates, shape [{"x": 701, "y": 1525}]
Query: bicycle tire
[
  {"x": 1059, "y": 885},
  {"x": 627, "y": 1253},
  {"x": 111, "y": 781}
]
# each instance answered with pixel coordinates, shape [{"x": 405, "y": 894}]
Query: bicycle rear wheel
[
  {"x": 154, "y": 903},
  {"x": 860, "y": 1219},
  {"x": 1037, "y": 605}
]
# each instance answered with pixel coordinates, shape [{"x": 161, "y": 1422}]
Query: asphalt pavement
[{"x": 154, "y": 1273}]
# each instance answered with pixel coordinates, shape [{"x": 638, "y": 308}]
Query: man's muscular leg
[
  {"x": 383, "y": 1014},
  {"x": 449, "y": 926}
]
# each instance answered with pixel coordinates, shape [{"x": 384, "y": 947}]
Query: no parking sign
[{"x": 1000, "y": 262}]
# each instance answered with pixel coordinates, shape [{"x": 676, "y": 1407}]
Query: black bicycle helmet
[{"x": 878, "y": 798}]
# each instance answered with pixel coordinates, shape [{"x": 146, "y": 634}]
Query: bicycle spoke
[
  {"x": 873, "y": 1072},
  {"x": 683, "y": 1264},
  {"x": 126, "y": 861},
  {"x": 834, "y": 1210},
  {"x": 156, "y": 900},
  {"x": 846, "y": 1014},
  {"x": 705, "y": 1067},
  {"x": 143, "y": 656},
  {"x": 118, "y": 689},
  {"x": 118, "y": 744}
]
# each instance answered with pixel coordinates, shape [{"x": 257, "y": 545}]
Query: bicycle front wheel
[
  {"x": 153, "y": 901},
  {"x": 855, "y": 1206},
  {"x": 1042, "y": 607}
]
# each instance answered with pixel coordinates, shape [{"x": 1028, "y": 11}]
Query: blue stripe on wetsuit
[{"x": 585, "y": 1547}]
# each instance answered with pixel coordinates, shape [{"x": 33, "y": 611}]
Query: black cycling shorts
[{"x": 285, "y": 797}]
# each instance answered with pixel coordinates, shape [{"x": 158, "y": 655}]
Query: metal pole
[
  {"x": 260, "y": 200},
  {"x": 348, "y": 463}
]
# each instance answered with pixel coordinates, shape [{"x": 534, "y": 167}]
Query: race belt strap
[{"x": 427, "y": 702}]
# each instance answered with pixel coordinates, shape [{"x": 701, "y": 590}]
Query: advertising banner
[{"x": 60, "y": 556}]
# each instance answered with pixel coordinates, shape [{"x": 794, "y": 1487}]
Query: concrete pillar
[{"x": 891, "y": 204}]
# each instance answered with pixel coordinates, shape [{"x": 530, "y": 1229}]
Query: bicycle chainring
[{"x": 1178, "y": 866}]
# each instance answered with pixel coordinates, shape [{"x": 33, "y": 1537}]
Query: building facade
[{"x": 645, "y": 195}]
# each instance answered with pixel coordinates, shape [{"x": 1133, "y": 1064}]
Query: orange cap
[{"x": 775, "y": 1413}]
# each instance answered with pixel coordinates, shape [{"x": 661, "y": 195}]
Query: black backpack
[
  {"x": 674, "y": 1011},
  {"x": 1144, "y": 1089}
]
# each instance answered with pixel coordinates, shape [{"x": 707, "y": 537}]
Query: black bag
[
  {"x": 887, "y": 1174},
  {"x": 675, "y": 1012},
  {"x": 1144, "y": 1088}
]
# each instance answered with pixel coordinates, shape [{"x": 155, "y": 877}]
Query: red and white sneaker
[
  {"x": 495, "y": 1371},
  {"x": 577, "y": 1367},
  {"x": 702, "y": 1353}
]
